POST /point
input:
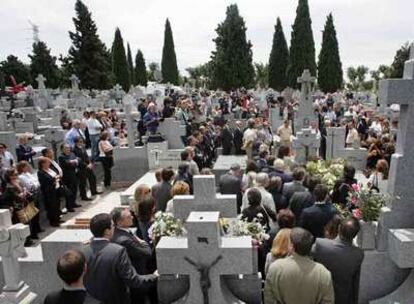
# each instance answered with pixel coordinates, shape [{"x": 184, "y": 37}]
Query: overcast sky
[{"x": 369, "y": 31}]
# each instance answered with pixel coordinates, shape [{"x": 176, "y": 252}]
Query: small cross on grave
[
  {"x": 118, "y": 92},
  {"x": 205, "y": 199},
  {"x": 12, "y": 238},
  {"x": 130, "y": 118},
  {"x": 206, "y": 260},
  {"x": 157, "y": 154},
  {"x": 75, "y": 82},
  {"x": 305, "y": 113},
  {"x": 41, "y": 82},
  {"x": 309, "y": 142}
]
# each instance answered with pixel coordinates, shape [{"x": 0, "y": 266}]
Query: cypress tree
[
  {"x": 140, "y": 69},
  {"x": 88, "y": 55},
  {"x": 130, "y": 66},
  {"x": 232, "y": 63},
  {"x": 169, "y": 67},
  {"x": 401, "y": 56},
  {"x": 302, "y": 45},
  {"x": 42, "y": 62},
  {"x": 279, "y": 59},
  {"x": 330, "y": 74},
  {"x": 119, "y": 62}
]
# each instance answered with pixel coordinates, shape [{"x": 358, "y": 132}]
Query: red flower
[{"x": 357, "y": 213}]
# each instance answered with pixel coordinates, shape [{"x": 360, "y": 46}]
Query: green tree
[
  {"x": 120, "y": 66},
  {"x": 330, "y": 74},
  {"x": 261, "y": 75},
  {"x": 88, "y": 55},
  {"x": 141, "y": 77},
  {"x": 42, "y": 62},
  {"x": 169, "y": 67},
  {"x": 279, "y": 59},
  {"x": 302, "y": 45},
  {"x": 131, "y": 66},
  {"x": 357, "y": 77},
  {"x": 397, "y": 66},
  {"x": 66, "y": 71},
  {"x": 12, "y": 66},
  {"x": 232, "y": 63}
]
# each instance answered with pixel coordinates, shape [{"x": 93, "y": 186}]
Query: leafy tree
[
  {"x": 66, "y": 71},
  {"x": 120, "y": 66},
  {"x": 141, "y": 77},
  {"x": 169, "y": 67},
  {"x": 201, "y": 74},
  {"x": 42, "y": 62},
  {"x": 330, "y": 75},
  {"x": 88, "y": 55},
  {"x": 357, "y": 77},
  {"x": 131, "y": 66},
  {"x": 279, "y": 59},
  {"x": 232, "y": 62},
  {"x": 302, "y": 45},
  {"x": 261, "y": 75},
  {"x": 12, "y": 66}
]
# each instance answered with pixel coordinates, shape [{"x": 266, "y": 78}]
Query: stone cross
[
  {"x": 130, "y": 117},
  {"x": 305, "y": 113},
  {"x": 401, "y": 91},
  {"x": 12, "y": 238},
  {"x": 172, "y": 130},
  {"x": 75, "y": 82},
  {"x": 3, "y": 121},
  {"x": 54, "y": 136},
  {"x": 157, "y": 153},
  {"x": 118, "y": 91},
  {"x": 306, "y": 145},
  {"x": 206, "y": 258},
  {"x": 41, "y": 82},
  {"x": 205, "y": 199}
]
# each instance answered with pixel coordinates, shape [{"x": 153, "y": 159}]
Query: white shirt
[
  {"x": 56, "y": 165},
  {"x": 250, "y": 135},
  {"x": 29, "y": 181},
  {"x": 53, "y": 174},
  {"x": 7, "y": 160},
  {"x": 94, "y": 126},
  {"x": 267, "y": 199}
]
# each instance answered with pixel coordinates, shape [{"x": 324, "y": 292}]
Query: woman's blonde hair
[
  {"x": 141, "y": 192},
  {"x": 281, "y": 243},
  {"x": 180, "y": 188}
]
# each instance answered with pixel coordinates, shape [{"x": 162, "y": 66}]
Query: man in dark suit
[
  {"x": 163, "y": 194},
  {"x": 139, "y": 252},
  {"x": 69, "y": 164},
  {"x": 305, "y": 199},
  {"x": 238, "y": 138},
  {"x": 110, "y": 273},
  {"x": 71, "y": 269},
  {"x": 296, "y": 185},
  {"x": 226, "y": 139},
  {"x": 85, "y": 170},
  {"x": 315, "y": 218},
  {"x": 343, "y": 260},
  {"x": 231, "y": 183}
]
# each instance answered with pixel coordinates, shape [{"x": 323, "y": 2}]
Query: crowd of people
[{"x": 309, "y": 257}]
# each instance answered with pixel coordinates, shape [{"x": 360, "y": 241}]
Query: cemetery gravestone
[
  {"x": 206, "y": 258},
  {"x": 224, "y": 162},
  {"x": 305, "y": 113},
  {"x": 172, "y": 130},
  {"x": 12, "y": 238},
  {"x": 306, "y": 145},
  {"x": 205, "y": 199}
]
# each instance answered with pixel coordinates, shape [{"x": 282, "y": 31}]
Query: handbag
[{"x": 26, "y": 214}]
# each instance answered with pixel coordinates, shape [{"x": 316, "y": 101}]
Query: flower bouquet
[
  {"x": 328, "y": 172},
  {"x": 166, "y": 224},
  {"x": 254, "y": 229},
  {"x": 366, "y": 204}
]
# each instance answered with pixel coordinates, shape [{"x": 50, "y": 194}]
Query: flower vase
[{"x": 366, "y": 238}]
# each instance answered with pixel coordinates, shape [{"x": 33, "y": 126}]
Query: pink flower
[
  {"x": 354, "y": 200},
  {"x": 355, "y": 187},
  {"x": 357, "y": 213}
]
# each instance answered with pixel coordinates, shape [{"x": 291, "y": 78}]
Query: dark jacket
[
  {"x": 344, "y": 261},
  {"x": 230, "y": 184},
  {"x": 26, "y": 153},
  {"x": 286, "y": 178},
  {"x": 68, "y": 168},
  {"x": 82, "y": 156},
  {"x": 138, "y": 252},
  {"x": 70, "y": 297},
  {"x": 292, "y": 187},
  {"x": 110, "y": 273},
  {"x": 300, "y": 201},
  {"x": 238, "y": 139},
  {"x": 226, "y": 140},
  {"x": 163, "y": 196},
  {"x": 315, "y": 218}
]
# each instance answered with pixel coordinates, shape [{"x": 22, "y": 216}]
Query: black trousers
[
  {"x": 71, "y": 195},
  {"x": 107, "y": 163},
  {"x": 83, "y": 176}
]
